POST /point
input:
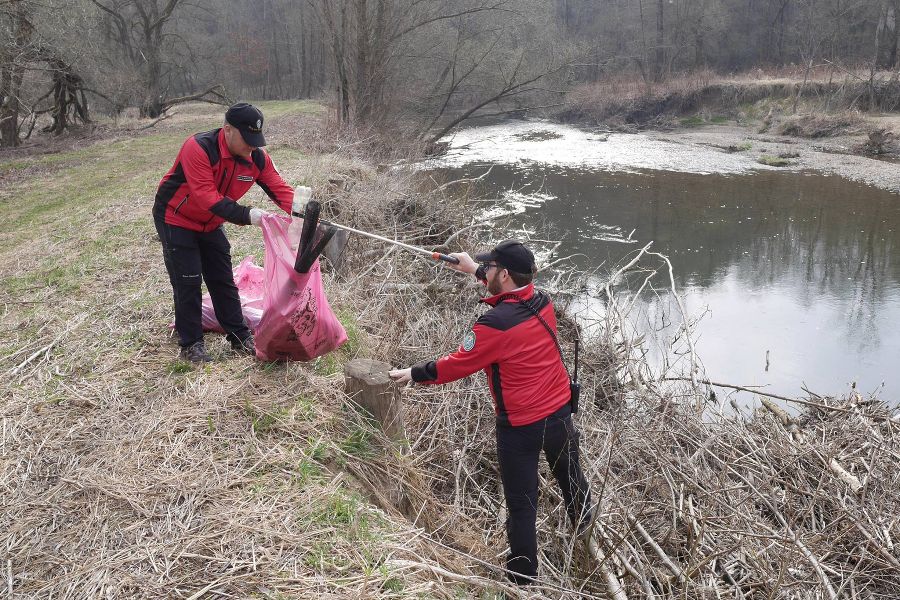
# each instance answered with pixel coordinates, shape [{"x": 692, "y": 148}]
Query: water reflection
[{"x": 805, "y": 266}]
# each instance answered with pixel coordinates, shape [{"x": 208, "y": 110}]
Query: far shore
[{"x": 838, "y": 155}]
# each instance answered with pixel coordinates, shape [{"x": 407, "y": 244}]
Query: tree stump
[{"x": 368, "y": 384}]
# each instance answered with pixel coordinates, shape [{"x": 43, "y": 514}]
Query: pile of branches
[{"x": 696, "y": 497}]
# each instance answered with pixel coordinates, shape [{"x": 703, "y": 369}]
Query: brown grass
[{"x": 625, "y": 100}]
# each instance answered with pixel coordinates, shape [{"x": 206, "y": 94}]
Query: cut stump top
[{"x": 371, "y": 372}]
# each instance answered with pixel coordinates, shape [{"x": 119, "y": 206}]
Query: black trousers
[
  {"x": 518, "y": 451},
  {"x": 192, "y": 257}
]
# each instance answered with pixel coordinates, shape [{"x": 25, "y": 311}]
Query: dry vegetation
[
  {"x": 824, "y": 102},
  {"x": 126, "y": 473}
]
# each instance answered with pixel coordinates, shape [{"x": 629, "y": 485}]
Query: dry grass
[
  {"x": 819, "y": 126},
  {"x": 126, "y": 473},
  {"x": 626, "y": 101}
]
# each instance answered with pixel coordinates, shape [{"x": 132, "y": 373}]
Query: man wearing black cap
[
  {"x": 514, "y": 343},
  {"x": 198, "y": 194}
]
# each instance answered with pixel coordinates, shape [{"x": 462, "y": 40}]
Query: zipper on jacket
[
  {"x": 180, "y": 204},
  {"x": 222, "y": 180}
]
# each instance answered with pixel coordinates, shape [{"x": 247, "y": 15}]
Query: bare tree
[
  {"x": 139, "y": 29},
  {"x": 371, "y": 41}
]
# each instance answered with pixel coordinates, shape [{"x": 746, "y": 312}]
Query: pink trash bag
[
  {"x": 287, "y": 311},
  {"x": 249, "y": 279}
]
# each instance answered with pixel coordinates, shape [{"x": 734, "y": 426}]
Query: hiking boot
[
  {"x": 195, "y": 353},
  {"x": 244, "y": 346}
]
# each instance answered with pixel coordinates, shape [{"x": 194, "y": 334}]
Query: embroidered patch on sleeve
[{"x": 468, "y": 341}]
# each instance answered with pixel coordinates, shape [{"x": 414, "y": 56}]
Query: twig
[
  {"x": 685, "y": 319},
  {"x": 613, "y": 585},
  {"x": 46, "y": 349},
  {"x": 756, "y": 391}
]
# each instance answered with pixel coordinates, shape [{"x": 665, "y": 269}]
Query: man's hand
[
  {"x": 466, "y": 264},
  {"x": 256, "y": 215},
  {"x": 401, "y": 375}
]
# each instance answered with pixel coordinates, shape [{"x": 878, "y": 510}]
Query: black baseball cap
[
  {"x": 247, "y": 119},
  {"x": 511, "y": 254}
]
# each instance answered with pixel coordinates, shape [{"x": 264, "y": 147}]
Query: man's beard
[{"x": 493, "y": 284}]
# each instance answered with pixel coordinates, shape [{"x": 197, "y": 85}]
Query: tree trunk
[
  {"x": 12, "y": 69},
  {"x": 886, "y": 36},
  {"x": 9, "y": 107},
  {"x": 68, "y": 97},
  {"x": 361, "y": 96},
  {"x": 660, "y": 59}
]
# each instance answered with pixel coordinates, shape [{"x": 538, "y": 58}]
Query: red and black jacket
[
  {"x": 200, "y": 190},
  {"x": 524, "y": 370}
]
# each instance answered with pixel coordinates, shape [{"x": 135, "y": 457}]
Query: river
[{"x": 794, "y": 276}]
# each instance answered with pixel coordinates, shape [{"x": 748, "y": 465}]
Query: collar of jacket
[
  {"x": 525, "y": 294},
  {"x": 224, "y": 152}
]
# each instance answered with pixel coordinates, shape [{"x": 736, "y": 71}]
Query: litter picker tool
[{"x": 430, "y": 254}]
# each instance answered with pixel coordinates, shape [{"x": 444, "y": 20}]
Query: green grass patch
[
  {"x": 346, "y": 510},
  {"x": 304, "y": 408},
  {"x": 179, "y": 367},
  {"x": 392, "y": 584},
  {"x": 306, "y": 471},
  {"x": 262, "y": 422},
  {"x": 285, "y": 155},
  {"x": 330, "y": 364},
  {"x": 351, "y": 326},
  {"x": 719, "y": 119},
  {"x": 773, "y": 161},
  {"x": 317, "y": 451},
  {"x": 358, "y": 443}
]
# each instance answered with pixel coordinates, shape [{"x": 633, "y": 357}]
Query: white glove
[
  {"x": 302, "y": 194},
  {"x": 256, "y": 215}
]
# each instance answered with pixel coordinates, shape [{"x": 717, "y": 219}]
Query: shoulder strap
[{"x": 546, "y": 326}]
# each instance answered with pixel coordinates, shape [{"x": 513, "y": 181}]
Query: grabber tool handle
[{"x": 445, "y": 257}]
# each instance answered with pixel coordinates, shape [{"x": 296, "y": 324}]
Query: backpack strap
[{"x": 549, "y": 330}]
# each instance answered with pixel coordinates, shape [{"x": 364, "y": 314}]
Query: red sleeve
[
  {"x": 274, "y": 186},
  {"x": 199, "y": 175},
  {"x": 484, "y": 349}
]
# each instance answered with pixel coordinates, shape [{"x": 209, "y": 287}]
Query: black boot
[
  {"x": 245, "y": 345},
  {"x": 195, "y": 353}
]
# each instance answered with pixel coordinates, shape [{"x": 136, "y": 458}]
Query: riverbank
[{"x": 823, "y": 124}]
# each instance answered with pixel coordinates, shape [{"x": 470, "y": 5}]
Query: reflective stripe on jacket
[
  {"x": 525, "y": 373},
  {"x": 201, "y": 189}
]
